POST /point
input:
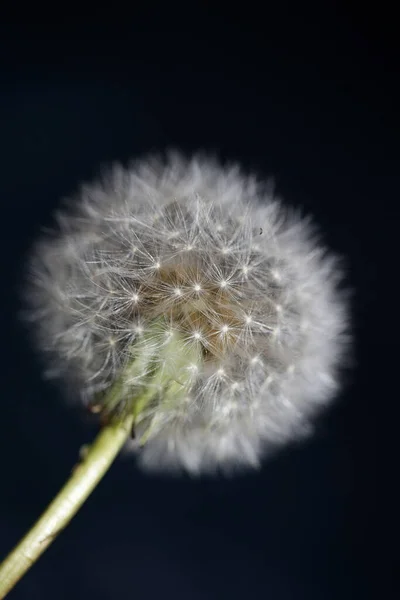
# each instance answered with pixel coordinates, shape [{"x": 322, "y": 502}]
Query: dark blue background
[{"x": 307, "y": 96}]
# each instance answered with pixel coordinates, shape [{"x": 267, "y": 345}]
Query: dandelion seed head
[{"x": 178, "y": 242}]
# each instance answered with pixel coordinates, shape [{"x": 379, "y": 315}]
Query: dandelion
[
  {"x": 209, "y": 256},
  {"x": 182, "y": 299}
]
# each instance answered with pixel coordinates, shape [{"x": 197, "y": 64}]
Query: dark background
[{"x": 307, "y": 95}]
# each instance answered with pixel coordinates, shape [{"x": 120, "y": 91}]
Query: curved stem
[{"x": 66, "y": 504}]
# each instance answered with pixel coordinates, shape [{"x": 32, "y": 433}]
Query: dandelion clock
[{"x": 200, "y": 318}]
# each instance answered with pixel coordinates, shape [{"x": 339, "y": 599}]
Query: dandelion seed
[
  {"x": 276, "y": 275},
  {"x": 255, "y": 359}
]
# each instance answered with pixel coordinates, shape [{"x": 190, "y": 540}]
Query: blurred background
[{"x": 307, "y": 95}]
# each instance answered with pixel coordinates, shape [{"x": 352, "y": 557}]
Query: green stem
[
  {"x": 171, "y": 375},
  {"x": 66, "y": 504}
]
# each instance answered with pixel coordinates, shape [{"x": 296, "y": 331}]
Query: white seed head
[{"x": 210, "y": 252}]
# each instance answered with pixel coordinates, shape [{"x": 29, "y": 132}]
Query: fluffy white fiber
[{"x": 208, "y": 252}]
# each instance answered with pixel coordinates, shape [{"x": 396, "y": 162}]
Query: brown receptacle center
[{"x": 197, "y": 306}]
